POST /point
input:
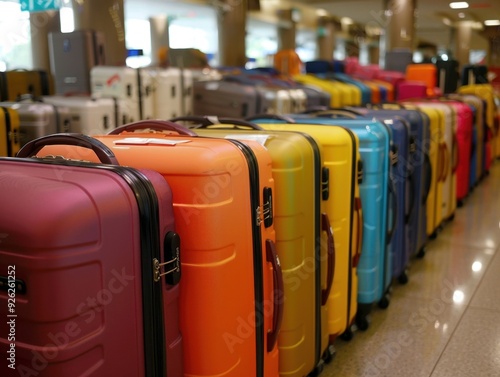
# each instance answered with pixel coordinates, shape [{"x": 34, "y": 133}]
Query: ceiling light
[
  {"x": 461, "y": 15},
  {"x": 321, "y": 13},
  {"x": 492, "y": 22},
  {"x": 346, "y": 20},
  {"x": 459, "y": 5}
]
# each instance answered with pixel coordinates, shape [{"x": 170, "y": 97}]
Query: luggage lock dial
[{"x": 172, "y": 266}]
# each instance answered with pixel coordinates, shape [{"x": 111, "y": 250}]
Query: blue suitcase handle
[{"x": 105, "y": 155}]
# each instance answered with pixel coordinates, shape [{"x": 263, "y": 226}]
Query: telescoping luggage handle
[
  {"x": 207, "y": 121},
  {"x": 155, "y": 125},
  {"x": 105, "y": 155},
  {"x": 326, "y": 227},
  {"x": 278, "y": 298}
]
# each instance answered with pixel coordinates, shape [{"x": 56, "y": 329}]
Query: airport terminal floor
[{"x": 445, "y": 321}]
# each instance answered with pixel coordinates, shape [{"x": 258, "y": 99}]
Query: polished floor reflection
[{"x": 446, "y": 321}]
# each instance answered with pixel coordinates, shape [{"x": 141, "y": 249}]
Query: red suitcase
[
  {"x": 411, "y": 89},
  {"x": 90, "y": 267},
  {"x": 230, "y": 296}
]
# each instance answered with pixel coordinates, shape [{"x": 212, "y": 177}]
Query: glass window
[{"x": 15, "y": 37}]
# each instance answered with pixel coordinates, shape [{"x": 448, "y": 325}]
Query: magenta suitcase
[
  {"x": 411, "y": 89},
  {"x": 89, "y": 263}
]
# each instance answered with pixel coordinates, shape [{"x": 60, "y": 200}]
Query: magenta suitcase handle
[
  {"x": 282, "y": 118},
  {"x": 326, "y": 227},
  {"x": 207, "y": 121},
  {"x": 278, "y": 295},
  {"x": 154, "y": 124},
  {"x": 105, "y": 155}
]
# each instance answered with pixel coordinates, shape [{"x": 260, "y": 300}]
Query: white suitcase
[
  {"x": 132, "y": 87},
  {"x": 299, "y": 100},
  {"x": 89, "y": 116},
  {"x": 188, "y": 91},
  {"x": 37, "y": 119}
]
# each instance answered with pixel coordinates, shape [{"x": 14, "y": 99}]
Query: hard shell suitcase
[
  {"x": 72, "y": 56},
  {"x": 219, "y": 216},
  {"x": 366, "y": 94},
  {"x": 337, "y": 92},
  {"x": 318, "y": 66},
  {"x": 301, "y": 185},
  {"x": 340, "y": 149},
  {"x": 10, "y": 140},
  {"x": 447, "y": 75},
  {"x": 411, "y": 89},
  {"x": 398, "y": 60},
  {"x": 379, "y": 209},
  {"x": 474, "y": 74},
  {"x": 89, "y": 243},
  {"x": 426, "y": 73},
  {"x": 132, "y": 87},
  {"x": 89, "y": 116},
  {"x": 37, "y": 119},
  {"x": 16, "y": 83},
  {"x": 435, "y": 148},
  {"x": 419, "y": 175},
  {"x": 288, "y": 62}
]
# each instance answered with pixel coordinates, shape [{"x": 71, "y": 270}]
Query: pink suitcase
[
  {"x": 411, "y": 89},
  {"x": 90, "y": 266}
]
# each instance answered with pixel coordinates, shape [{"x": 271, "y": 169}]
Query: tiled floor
[{"x": 446, "y": 321}]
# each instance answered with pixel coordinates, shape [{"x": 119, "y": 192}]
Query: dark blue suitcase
[
  {"x": 379, "y": 208},
  {"x": 319, "y": 66},
  {"x": 339, "y": 66}
]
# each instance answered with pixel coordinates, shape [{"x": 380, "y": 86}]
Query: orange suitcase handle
[
  {"x": 358, "y": 209},
  {"x": 105, "y": 155},
  {"x": 157, "y": 125},
  {"x": 326, "y": 227},
  {"x": 278, "y": 294},
  {"x": 207, "y": 121}
]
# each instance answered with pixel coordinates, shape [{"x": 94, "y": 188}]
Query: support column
[
  {"x": 400, "y": 31},
  {"x": 326, "y": 38},
  {"x": 160, "y": 41},
  {"x": 231, "y": 22},
  {"x": 107, "y": 17},
  {"x": 42, "y": 23},
  {"x": 463, "y": 38},
  {"x": 287, "y": 29},
  {"x": 494, "y": 52}
]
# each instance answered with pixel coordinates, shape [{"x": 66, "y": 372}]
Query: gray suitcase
[
  {"x": 37, "y": 119},
  {"x": 72, "y": 56},
  {"x": 398, "y": 59}
]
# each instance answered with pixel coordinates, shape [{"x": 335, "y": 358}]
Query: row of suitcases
[{"x": 280, "y": 254}]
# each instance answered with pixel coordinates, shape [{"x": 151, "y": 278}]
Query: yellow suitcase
[
  {"x": 437, "y": 155},
  {"x": 301, "y": 231},
  {"x": 9, "y": 132},
  {"x": 16, "y": 83},
  {"x": 487, "y": 93},
  {"x": 341, "y": 156}
]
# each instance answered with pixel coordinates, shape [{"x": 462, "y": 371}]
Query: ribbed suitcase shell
[
  {"x": 10, "y": 135},
  {"x": 434, "y": 146},
  {"x": 226, "y": 281},
  {"x": 297, "y": 172},
  {"x": 83, "y": 245},
  {"x": 341, "y": 156},
  {"x": 338, "y": 95},
  {"x": 375, "y": 264},
  {"x": 420, "y": 171}
]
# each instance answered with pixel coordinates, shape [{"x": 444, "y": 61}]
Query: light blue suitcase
[{"x": 379, "y": 208}]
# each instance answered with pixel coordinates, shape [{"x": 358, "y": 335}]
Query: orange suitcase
[
  {"x": 230, "y": 296},
  {"x": 423, "y": 72}
]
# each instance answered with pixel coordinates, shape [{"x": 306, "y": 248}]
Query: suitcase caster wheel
[
  {"x": 433, "y": 236},
  {"x": 451, "y": 218},
  {"x": 319, "y": 368},
  {"x": 460, "y": 203},
  {"x": 421, "y": 253},
  {"x": 384, "y": 302},
  {"x": 403, "y": 278},
  {"x": 347, "y": 335},
  {"x": 362, "y": 323},
  {"x": 329, "y": 354}
]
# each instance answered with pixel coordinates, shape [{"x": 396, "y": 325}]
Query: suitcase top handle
[
  {"x": 336, "y": 113},
  {"x": 283, "y": 118},
  {"x": 156, "y": 125},
  {"x": 207, "y": 121},
  {"x": 105, "y": 155}
]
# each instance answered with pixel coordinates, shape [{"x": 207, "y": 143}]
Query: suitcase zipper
[{"x": 257, "y": 255}]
